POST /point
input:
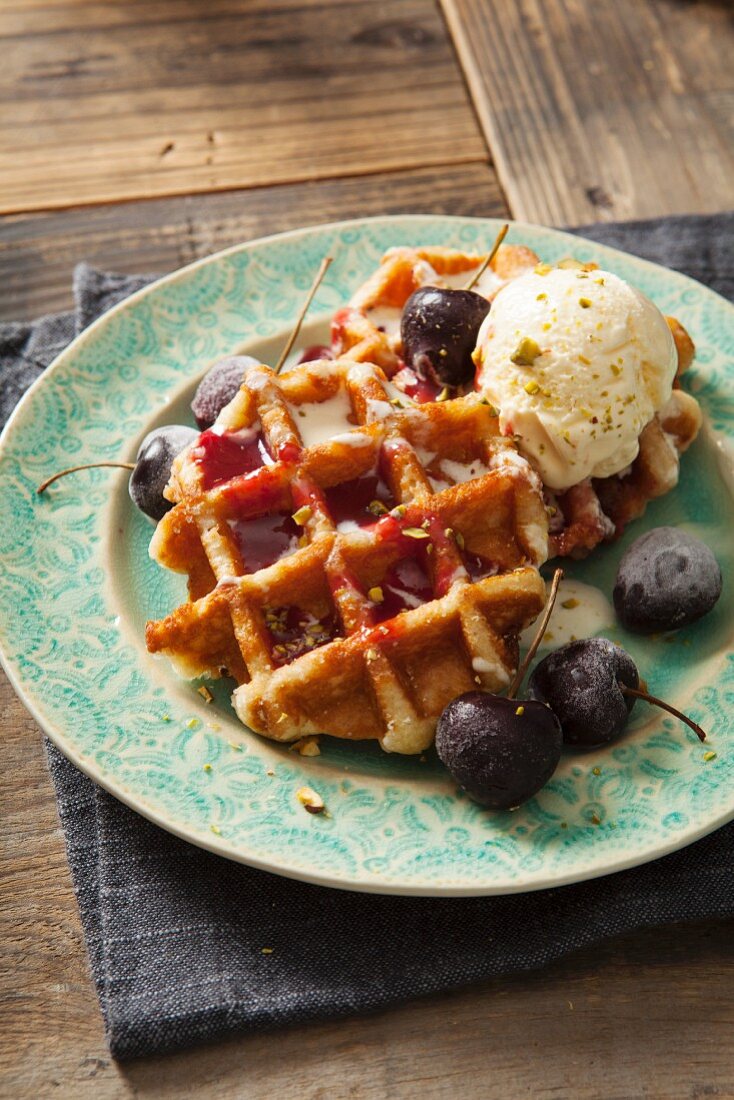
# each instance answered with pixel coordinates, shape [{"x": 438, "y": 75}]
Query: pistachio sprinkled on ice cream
[{"x": 578, "y": 362}]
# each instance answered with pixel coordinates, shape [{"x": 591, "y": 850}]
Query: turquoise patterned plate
[{"x": 77, "y": 586}]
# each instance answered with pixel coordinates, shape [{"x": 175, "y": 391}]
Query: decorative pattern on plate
[{"x": 77, "y": 586}]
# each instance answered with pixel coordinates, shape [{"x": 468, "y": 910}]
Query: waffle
[
  {"x": 592, "y": 512},
  {"x": 599, "y": 509},
  {"x": 368, "y": 328},
  {"x": 352, "y": 585}
]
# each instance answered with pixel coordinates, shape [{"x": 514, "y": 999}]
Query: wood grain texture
[
  {"x": 597, "y": 111},
  {"x": 38, "y": 251},
  {"x": 102, "y": 102},
  {"x": 649, "y": 1015}
]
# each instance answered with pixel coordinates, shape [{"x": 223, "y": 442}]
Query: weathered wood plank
[
  {"x": 647, "y": 1015},
  {"x": 99, "y": 106},
  {"x": 38, "y": 251},
  {"x": 597, "y": 111}
]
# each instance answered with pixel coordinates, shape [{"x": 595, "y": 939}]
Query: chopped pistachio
[
  {"x": 376, "y": 594},
  {"x": 303, "y": 515},
  {"x": 216, "y": 830},
  {"x": 585, "y": 303},
  {"x": 207, "y": 767},
  {"x": 266, "y": 950},
  {"x": 520, "y": 711},
  {"x": 306, "y": 746},
  {"x": 531, "y": 387},
  {"x": 585, "y": 360},
  {"x": 541, "y": 297},
  {"x": 543, "y": 269},
  {"x": 709, "y": 756},
  {"x": 415, "y": 533},
  {"x": 568, "y": 604},
  {"x": 444, "y": 394},
  {"x": 310, "y": 800},
  {"x": 526, "y": 352}
]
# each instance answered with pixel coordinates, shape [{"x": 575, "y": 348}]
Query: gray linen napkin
[{"x": 175, "y": 935}]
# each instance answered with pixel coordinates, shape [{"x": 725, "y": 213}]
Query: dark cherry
[
  {"x": 439, "y": 333},
  {"x": 666, "y": 580},
  {"x": 501, "y": 751},
  {"x": 580, "y": 682},
  {"x": 153, "y": 467},
  {"x": 218, "y": 387}
]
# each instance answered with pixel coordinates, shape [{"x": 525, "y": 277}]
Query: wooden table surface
[{"x": 142, "y": 134}]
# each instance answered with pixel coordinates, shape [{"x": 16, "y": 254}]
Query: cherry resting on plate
[
  {"x": 592, "y": 685},
  {"x": 153, "y": 467},
  {"x": 581, "y": 683},
  {"x": 439, "y": 333},
  {"x": 501, "y": 751},
  {"x": 218, "y": 387},
  {"x": 666, "y": 580}
]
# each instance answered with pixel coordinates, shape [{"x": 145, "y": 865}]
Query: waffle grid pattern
[{"x": 305, "y": 636}]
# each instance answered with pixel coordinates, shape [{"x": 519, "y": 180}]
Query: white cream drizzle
[
  {"x": 459, "y": 472},
  {"x": 386, "y": 318},
  {"x": 592, "y": 613},
  {"x": 320, "y": 420},
  {"x": 352, "y": 439},
  {"x": 378, "y": 410}
]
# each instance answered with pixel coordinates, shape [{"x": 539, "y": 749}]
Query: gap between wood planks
[
  {"x": 39, "y": 250},
  {"x": 599, "y": 111}
]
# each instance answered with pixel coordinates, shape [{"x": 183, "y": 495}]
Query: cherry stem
[
  {"x": 327, "y": 260},
  {"x": 700, "y": 734},
  {"x": 478, "y": 274},
  {"x": 520, "y": 674},
  {"x": 87, "y": 466}
]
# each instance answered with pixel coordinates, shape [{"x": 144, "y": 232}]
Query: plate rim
[{"x": 219, "y": 845}]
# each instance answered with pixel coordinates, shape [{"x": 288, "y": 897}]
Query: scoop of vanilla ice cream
[{"x": 577, "y": 363}]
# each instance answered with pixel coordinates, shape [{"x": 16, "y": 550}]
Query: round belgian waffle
[{"x": 354, "y": 581}]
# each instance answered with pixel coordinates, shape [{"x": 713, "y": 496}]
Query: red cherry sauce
[
  {"x": 316, "y": 351},
  {"x": 362, "y": 500},
  {"x": 419, "y": 389},
  {"x": 405, "y": 586},
  {"x": 341, "y": 323},
  {"x": 222, "y": 456},
  {"x": 295, "y": 632},
  {"x": 265, "y": 539}
]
